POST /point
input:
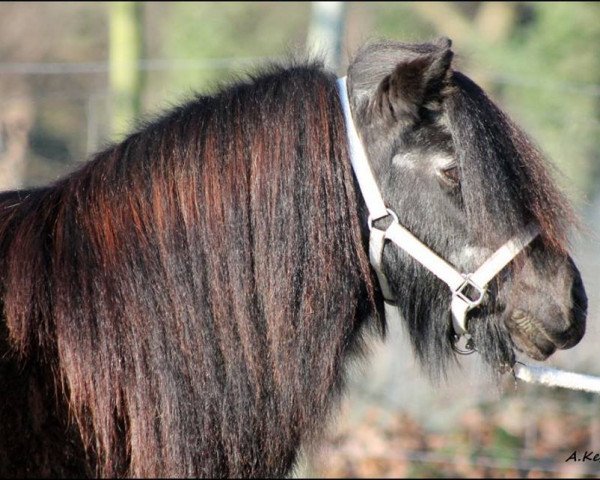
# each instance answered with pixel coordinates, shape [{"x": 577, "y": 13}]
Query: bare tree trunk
[
  {"x": 496, "y": 20},
  {"x": 126, "y": 50},
  {"x": 326, "y": 32},
  {"x": 16, "y": 121},
  {"x": 446, "y": 18}
]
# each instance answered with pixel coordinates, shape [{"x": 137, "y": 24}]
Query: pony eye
[{"x": 450, "y": 175}]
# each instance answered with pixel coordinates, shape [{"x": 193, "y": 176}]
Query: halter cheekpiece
[{"x": 468, "y": 290}]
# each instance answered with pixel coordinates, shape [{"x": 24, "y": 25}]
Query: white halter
[{"x": 458, "y": 282}]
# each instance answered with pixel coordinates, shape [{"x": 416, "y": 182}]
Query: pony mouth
[{"x": 529, "y": 336}]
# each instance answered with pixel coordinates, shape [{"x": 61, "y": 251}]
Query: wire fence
[
  {"x": 95, "y": 101},
  {"x": 163, "y": 64},
  {"x": 146, "y": 65}
]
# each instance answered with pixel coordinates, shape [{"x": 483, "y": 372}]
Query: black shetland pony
[{"x": 185, "y": 303}]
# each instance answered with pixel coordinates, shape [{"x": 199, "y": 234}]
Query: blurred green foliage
[
  {"x": 226, "y": 30},
  {"x": 399, "y": 21},
  {"x": 549, "y": 70}
]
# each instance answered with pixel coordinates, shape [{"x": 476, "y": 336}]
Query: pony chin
[
  {"x": 492, "y": 340},
  {"x": 439, "y": 355}
]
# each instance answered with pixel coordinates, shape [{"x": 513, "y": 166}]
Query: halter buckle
[{"x": 461, "y": 292}]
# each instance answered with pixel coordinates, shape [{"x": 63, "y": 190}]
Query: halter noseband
[{"x": 462, "y": 286}]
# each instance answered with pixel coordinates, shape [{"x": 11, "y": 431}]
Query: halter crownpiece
[{"x": 462, "y": 286}]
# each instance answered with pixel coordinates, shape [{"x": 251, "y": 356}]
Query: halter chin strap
[{"x": 468, "y": 290}]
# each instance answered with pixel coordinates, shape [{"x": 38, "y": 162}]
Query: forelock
[{"x": 505, "y": 179}]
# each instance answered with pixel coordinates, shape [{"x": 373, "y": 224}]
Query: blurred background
[{"x": 75, "y": 76}]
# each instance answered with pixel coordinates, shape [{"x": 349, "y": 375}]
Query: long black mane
[{"x": 197, "y": 288}]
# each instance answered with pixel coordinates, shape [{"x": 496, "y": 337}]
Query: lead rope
[
  {"x": 461, "y": 285},
  {"x": 552, "y": 377}
]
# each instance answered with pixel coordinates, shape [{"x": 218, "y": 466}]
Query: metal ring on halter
[
  {"x": 469, "y": 345},
  {"x": 370, "y": 220},
  {"x": 459, "y": 292}
]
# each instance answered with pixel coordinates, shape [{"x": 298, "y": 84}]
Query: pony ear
[{"x": 414, "y": 82}]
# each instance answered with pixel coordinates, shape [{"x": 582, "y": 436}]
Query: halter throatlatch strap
[
  {"x": 468, "y": 290},
  {"x": 360, "y": 163}
]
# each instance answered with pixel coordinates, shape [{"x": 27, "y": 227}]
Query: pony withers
[{"x": 186, "y": 302}]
